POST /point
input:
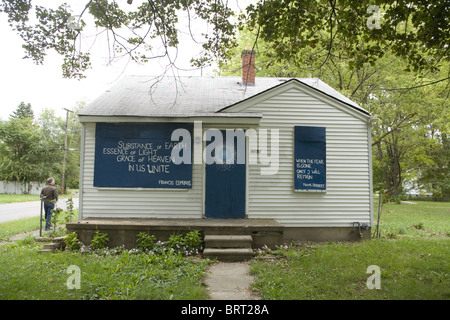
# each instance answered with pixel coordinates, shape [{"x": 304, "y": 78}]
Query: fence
[{"x": 14, "y": 187}]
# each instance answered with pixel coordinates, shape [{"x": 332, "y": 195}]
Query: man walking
[{"x": 50, "y": 195}]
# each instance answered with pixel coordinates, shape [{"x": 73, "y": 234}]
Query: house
[{"x": 276, "y": 158}]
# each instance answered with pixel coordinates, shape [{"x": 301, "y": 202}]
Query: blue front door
[{"x": 225, "y": 184}]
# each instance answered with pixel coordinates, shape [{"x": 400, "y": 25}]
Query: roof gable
[{"x": 314, "y": 84}]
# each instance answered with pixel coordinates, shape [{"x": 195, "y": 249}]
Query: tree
[
  {"x": 53, "y": 129},
  {"x": 407, "y": 104},
  {"x": 417, "y": 30},
  {"x": 23, "y": 111},
  {"x": 22, "y": 151},
  {"x": 436, "y": 177},
  {"x": 32, "y": 150},
  {"x": 142, "y": 31}
]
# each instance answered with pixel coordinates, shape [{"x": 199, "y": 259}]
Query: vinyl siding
[{"x": 347, "y": 198}]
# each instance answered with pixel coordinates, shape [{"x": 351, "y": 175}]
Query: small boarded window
[{"x": 310, "y": 159}]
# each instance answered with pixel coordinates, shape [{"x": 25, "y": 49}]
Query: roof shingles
[{"x": 145, "y": 96}]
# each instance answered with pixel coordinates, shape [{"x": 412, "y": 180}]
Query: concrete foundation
[
  {"x": 321, "y": 234},
  {"x": 263, "y": 231}
]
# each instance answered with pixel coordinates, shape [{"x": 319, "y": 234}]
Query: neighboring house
[{"x": 298, "y": 153}]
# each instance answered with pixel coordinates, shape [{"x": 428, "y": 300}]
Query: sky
[{"x": 43, "y": 85}]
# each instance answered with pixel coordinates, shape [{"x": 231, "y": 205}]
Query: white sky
[{"x": 43, "y": 85}]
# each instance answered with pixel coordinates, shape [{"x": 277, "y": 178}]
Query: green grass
[
  {"x": 409, "y": 270},
  {"x": 28, "y": 275},
  {"x": 419, "y": 220},
  {"x": 10, "y": 228},
  {"x": 413, "y": 254},
  {"x": 10, "y": 198}
]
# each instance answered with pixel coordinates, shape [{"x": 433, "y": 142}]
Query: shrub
[
  {"x": 178, "y": 244},
  {"x": 72, "y": 241},
  {"x": 193, "y": 239},
  {"x": 54, "y": 219},
  {"x": 175, "y": 240},
  {"x": 395, "y": 199},
  {"x": 145, "y": 241},
  {"x": 99, "y": 241}
]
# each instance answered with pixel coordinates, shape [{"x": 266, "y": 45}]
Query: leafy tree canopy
[
  {"x": 412, "y": 111},
  {"x": 416, "y": 29},
  {"x": 32, "y": 149},
  {"x": 131, "y": 30}
]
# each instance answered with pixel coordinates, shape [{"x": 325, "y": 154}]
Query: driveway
[{"x": 20, "y": 210}]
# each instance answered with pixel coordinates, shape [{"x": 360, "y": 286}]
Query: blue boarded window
[
  {"x": 138, "y": 155},
  {"x": 310, "y": 158}
]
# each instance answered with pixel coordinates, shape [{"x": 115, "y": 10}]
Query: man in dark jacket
[{"x": 50, "y": 195}]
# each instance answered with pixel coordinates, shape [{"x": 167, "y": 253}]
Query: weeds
[
  {"x": 152, "y": 270},
  {"x": 279, "y": 250},
  {"x": 99, "y": 241},
  {"x": 72, "y": 241},
  {"x": 145, "y": 241},
  {"x": 187, "y": 245}
]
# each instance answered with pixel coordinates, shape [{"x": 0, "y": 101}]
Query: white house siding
[
  {"x": 347, "y": 198},
  {"x": 134, "y": 203}
]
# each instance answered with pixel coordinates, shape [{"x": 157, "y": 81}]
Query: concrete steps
[
  {"x": 228, "y": 247},
  {"x": 58, "y": 243}
]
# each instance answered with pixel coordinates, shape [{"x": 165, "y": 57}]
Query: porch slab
[{"x": 124, "y": 231}]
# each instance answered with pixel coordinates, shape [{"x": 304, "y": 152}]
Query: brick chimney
[{"x": 248, "y": 66}]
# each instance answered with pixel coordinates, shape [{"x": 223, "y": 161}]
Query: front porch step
[
  {"x": 228, "y": 241},
  {"x": 228, "y": 247},
  {"x": 229, "y": 254}
]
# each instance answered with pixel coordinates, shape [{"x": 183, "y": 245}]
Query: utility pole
[{"x": 65, "y": 150}]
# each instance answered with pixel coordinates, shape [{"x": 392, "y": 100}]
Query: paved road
[{"x": 20, "y": 210}]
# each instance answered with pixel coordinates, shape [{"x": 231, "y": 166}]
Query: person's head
[{"x": 51, "y": 181}]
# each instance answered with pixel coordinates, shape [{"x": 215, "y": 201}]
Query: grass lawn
[
  {"x": 10, "y": 198},
  {"x": 106, "y": 274},
  {"x": 413, "y": 254},
  {"x": 10, "y": 228}
]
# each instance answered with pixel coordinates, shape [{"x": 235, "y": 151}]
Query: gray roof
[{"x": 146, "y": 96}]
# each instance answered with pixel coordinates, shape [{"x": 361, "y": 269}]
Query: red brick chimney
[{"x": 248, "y": 66}]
